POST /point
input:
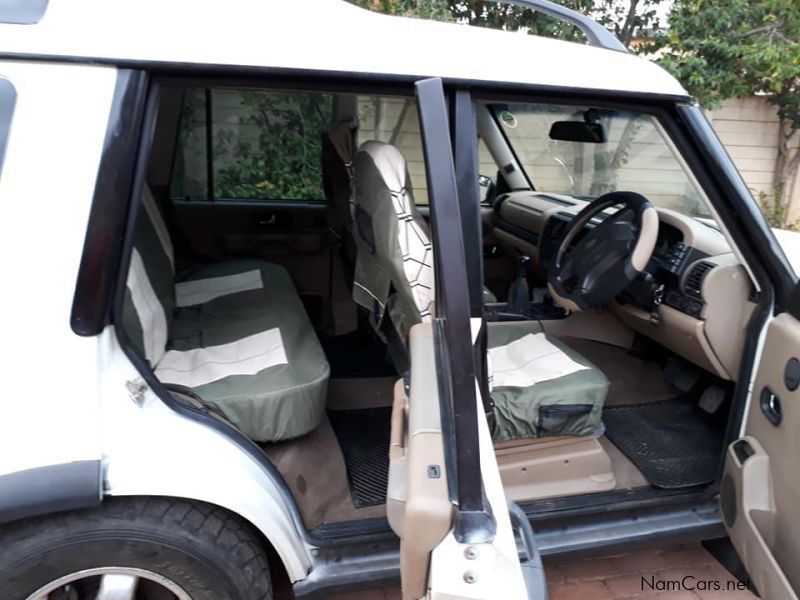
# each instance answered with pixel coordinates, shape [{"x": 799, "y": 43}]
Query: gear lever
[{"x": 518, "y": 294}]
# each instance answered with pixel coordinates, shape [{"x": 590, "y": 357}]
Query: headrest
[{"x": 389, "y": 161}]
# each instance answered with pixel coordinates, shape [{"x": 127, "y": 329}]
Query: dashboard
[
  {"x": 666, "y": 276},
  {"x": 694, "y": 297}
]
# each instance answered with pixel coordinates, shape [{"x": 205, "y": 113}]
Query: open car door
[
  {"x": 445, "y": 499},
  {"x": 760, "y": 489}
]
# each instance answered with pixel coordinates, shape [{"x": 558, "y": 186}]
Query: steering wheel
[{"x": 609, "y": 257}]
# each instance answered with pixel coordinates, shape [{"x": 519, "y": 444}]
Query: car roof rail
[{"x": 596, "y": 34}]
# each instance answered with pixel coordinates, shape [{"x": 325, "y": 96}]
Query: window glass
[
  {"x": 635, "y": 156},
  {"x": 394, "y": 120},
  {"x": 22, "y": 12},
  {"x": 8, "y": 97},
  {"x": 265, "y": 145}
]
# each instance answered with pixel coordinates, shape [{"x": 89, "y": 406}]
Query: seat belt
[
  {"x": 345, "y": 148},
  {"x": 342, "y": 137}
]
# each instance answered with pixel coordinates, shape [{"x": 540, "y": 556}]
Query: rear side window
[
  {"x": 250, "y": 145},
  {"x": 22, "y": 12},
  {"x": 8, "y": 97}
]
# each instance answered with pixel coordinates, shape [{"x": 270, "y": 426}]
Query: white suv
[{"x": 352, "y": 299}]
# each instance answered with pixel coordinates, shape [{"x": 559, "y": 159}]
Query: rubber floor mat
[
  {"x": 363, "y": 436},
  {"x": 672, "y": 442}
]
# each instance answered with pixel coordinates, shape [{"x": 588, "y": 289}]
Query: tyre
[{"x": 134, "y": 549}]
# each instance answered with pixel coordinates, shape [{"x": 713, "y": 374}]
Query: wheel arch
[
  {"x": 49, "y": 489},
  {"x": 214, "y": 539},
  {"x": 269, "y": 549},
  {"x": 163, "y": 454}
]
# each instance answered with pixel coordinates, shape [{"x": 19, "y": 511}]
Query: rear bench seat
[{"x": 234, "y": 332}]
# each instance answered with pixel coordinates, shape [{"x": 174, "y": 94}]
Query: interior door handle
[
  {"x": 397, "y": 444},
  {"x": 267, "y": 220},
  {"x": 771, "y": 406}
]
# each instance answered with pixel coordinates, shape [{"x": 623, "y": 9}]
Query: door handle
[
  {"x": 397, "y": 444},
  {"x": 771, "y": 406},
  {"x": 267, "y": 220}
]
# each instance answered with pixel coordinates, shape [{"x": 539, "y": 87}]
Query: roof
[{"x": 322, "y": 35}]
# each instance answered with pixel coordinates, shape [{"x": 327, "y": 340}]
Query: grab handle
[{"x": 397, "y": 448}]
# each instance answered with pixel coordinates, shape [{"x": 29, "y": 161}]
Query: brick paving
[
  {"x": 641, "y": 575},
  {"x": 684, "y": 572}
]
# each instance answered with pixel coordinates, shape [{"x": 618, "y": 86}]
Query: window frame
[{"x": 92, "y": 304}]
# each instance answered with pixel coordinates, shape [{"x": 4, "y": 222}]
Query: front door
[
  {"x": 761, "y": 488},
  {"x": 445, "y": 498}
]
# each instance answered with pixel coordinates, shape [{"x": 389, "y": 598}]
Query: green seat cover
[
  {"x": 568, "y": 405},
  {"x": 282, "y": 401},
  {"x": 235, "y": 333}
]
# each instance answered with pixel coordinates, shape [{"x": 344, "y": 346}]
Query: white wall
[{"x": 749, "y": 129}]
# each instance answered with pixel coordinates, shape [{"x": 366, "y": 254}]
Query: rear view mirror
[{"x": 577, "y": 131}]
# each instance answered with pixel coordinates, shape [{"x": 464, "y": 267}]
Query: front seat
[{"x": 538, "y": 385}]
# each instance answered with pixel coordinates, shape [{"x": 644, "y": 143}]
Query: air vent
[
  {"x": 498, "y": 203},
  {"x": 558, "y": 225},
  {"x": 694, "y": 280}
]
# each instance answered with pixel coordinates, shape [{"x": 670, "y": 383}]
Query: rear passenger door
[
  {"x": 246, "y": 182},
  {"x": 54, "y": 121},
  {"x": 445, "y": 499}
]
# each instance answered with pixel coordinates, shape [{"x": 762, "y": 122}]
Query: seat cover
[
  {"x": 568, "y": 404},
  {"x": 235, "y": 333},
  {"x": 274, "y": 383},
  {"x": 394, "y": 268}
]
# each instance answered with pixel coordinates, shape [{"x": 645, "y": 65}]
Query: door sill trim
[
  {"x": 538, "y": 511},
  {"x": 350, "y": 566}
]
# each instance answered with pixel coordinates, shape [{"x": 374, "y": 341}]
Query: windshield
[{"x": 596, "y": 151}]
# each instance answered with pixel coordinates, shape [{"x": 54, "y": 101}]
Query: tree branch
[
  {"x": 763, "y": 29},
  {"x": 775, "y": 30},
  {"x": 792, "y": 166},
  {"x": 626, "y": 32}
]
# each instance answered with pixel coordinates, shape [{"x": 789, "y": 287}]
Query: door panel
[
  {"x": 293, "y": 234},
  {"x": 418, "y": 507},
  {"x": 761, "y": 487},
  {"x": 263, "y": 230}
]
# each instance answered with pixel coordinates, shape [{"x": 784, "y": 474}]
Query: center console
[{"x": 523, "y": 305}]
